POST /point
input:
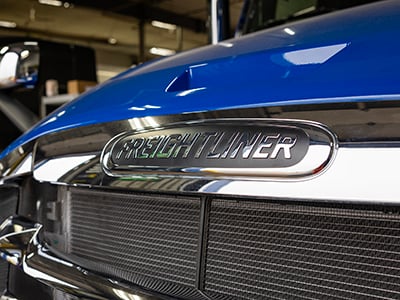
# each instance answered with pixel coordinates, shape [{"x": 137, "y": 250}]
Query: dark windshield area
[{"x": 262, "y": 14}]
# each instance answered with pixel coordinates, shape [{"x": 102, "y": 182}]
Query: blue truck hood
[{"x": 352, "y": 55}]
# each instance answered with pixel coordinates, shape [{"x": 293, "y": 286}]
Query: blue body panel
[{"x": 352, "y": 55}]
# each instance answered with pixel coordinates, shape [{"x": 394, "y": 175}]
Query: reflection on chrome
[
  {"x": 136, "y": 124},
  {"x": 54, "y": 169},
  {"x": 21, "y": 245},
  {"x": 15, "y": 235},
  {"x": 126, "y": 296},
  {"x": 358, "y": 174},
  {"x": 310, "y": 165},
  {"x": 25, "y": 166},
  {"x": 140, "y": 124}
]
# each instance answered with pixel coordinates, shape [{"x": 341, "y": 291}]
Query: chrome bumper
[
  {"x": 21, "y": 245},
  {"x": 7, "y": 296}
]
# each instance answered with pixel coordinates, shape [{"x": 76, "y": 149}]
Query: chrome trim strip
[
  {"x": 368, "y": 138},
  {"x": 15, "y": 235}
]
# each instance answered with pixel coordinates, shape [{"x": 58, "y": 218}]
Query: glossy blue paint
[{"x": 352, "y": 55}]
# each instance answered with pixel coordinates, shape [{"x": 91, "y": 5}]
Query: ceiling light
[
  {"x": 30, "y": 43},
  {"x": 161, "y": 51},
  {"x": 289, "y": 31},
  {"x": 4, "y": 50},
  {"x": 51, "y": 2},
  {"x": 112, "y": 41},
  {"x": 8, "y": 24},
  {"x": 163, "y": 25},
  {"x": 25, "y": 54}
]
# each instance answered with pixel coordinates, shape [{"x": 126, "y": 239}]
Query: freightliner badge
[{"x": 215, "y": 147}]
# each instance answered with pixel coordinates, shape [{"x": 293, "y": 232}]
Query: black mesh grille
[
  {"x": 3, "y": 275},
  {"x": 262, "y": 250},
  {"x": 8, "y": 207},
  {"x": 253, "y": 249},
  {"x": 154, "y": 236}
]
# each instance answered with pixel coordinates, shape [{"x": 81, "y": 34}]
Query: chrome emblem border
[{"x": 246, "y": 148}]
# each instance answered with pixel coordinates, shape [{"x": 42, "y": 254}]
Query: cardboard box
[{"x": 79, "y": 86}]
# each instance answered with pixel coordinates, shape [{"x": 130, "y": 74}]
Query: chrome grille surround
[{"x": 369, "y": 139}]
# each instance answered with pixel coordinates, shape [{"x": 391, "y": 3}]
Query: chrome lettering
[
  {"x": 212, "y": 153},
  {"x": 246, "y": 144},
  {"x": 208, "y": 145},
  {"x": 229, "y": 143},
  {"x": 185, "y": 144},
  {"x": 150, "y": 147},
  {"x": 264, "y": 145},
  {"x": 206, "y": 138},
  {"x": 285, "y": 143},
  {"x": 169, "y": 146},
  {"x": 131, "y": 148}
]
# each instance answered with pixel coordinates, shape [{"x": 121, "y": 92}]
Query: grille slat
[
  {"x": 145, "y": 265},
  {"x": 334, "y": 264},
  {"x": 255, "y": 248},
  {"x": 348, "y": 254},
  {"x": 143, "y": 223},
  {"x": 150, "y": 250}
]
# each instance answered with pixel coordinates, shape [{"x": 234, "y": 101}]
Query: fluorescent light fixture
[
  {"x": 107, "y": 73},
  {"x": 31, "y": 43},
  {"x": 289, "y": 31},
  {"x": 25, "y": 54},
  {"x": 150, "y": 122},
  {"x": 191, "y": 91},
  {"x": 8, "y": 24},
  {"x": 51, "y": 2},
  {"x": 225, "y": 44},
  {"x": 112, "y": 41},
  {"x": 162, "y": 51},
  {"x": 135, "y": 124},
  {"x": 136, "y": 108},
  {"x": 163, "y": 25},
  {"x": 304, "y": 11},
  {"x": 317, "y": 55},
  {"x": 4, "y": 50}
]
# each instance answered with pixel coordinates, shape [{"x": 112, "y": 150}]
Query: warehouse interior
[
  {"x": 90, "y": 41},
  {"x": 114, "y": 28}
]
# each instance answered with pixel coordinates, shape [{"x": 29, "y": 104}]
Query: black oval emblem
[{"x": 230, "y": 147}]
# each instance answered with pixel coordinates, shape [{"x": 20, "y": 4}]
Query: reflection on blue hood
[{"x": 351, "y": 55}]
